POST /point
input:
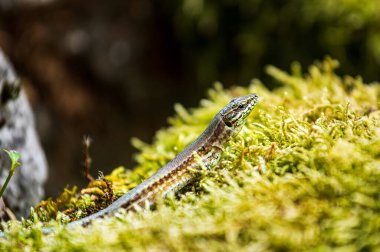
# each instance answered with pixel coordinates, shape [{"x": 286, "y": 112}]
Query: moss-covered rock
[{"x": 302, "y": 175}]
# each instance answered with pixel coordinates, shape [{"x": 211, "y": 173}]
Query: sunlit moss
[{"x": 303, "y": 174}]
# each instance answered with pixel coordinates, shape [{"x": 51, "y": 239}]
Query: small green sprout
[{"x": 15, "y": 157}]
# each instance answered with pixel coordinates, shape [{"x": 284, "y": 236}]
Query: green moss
[{"x": 302, "y": 175}]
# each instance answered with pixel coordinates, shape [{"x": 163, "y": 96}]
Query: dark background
[{"x": 114, "y": 69}]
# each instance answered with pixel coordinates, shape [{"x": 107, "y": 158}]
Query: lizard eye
[{"x": 228, "y": 123}]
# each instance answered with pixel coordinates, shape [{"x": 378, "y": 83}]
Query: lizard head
[{"x": 235, "y": 113}]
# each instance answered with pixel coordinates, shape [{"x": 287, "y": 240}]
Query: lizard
[{"x": 179, "y": 172}]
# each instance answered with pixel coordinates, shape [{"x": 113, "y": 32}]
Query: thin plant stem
[
  {"x": 15, "y": 157},
  {"x": 11, "y": 172}
]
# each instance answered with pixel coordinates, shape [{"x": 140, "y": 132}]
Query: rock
[{"x": 17, "y": 132}]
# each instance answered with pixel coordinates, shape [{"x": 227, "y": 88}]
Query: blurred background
[{"x": 114, "y": 69}]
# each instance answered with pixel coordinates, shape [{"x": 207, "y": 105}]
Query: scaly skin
[{"x": 206, "y": 149}]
